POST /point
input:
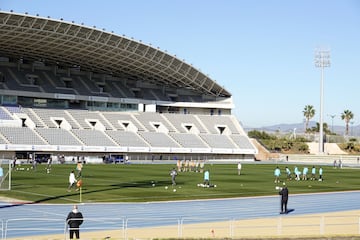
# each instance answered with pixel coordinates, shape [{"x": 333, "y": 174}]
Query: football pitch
[{"x": 152, "y": 182}]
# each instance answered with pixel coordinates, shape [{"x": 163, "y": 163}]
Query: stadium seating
[
  {"x": 54, "y": 136},
  {"x": 19, "y": 135},
  {"x": 125, "y": 98},
  {"x": 124, "y": 129},
  {"x": 187, "y": 140},
  {"x": 127, "y": 139}
]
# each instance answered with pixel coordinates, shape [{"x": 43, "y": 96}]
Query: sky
[{"x": 262, "y": 51}]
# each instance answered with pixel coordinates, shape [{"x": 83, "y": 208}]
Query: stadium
[
  {"x": 74, "y": 92},
  {"x": 71, "y": 91}
]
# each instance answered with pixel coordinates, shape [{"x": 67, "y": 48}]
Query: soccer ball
[
  {"x": 153, "y": 184},
  {"x": 174, "y": 190},
  {"x": 166, "y": 187}
]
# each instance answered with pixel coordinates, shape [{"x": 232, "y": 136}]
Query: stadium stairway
[{"x": 263, "y": 153}]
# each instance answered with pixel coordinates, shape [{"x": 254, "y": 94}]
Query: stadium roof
[{"x": 69, "y": 44}]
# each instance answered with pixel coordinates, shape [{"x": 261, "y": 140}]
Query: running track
[{"x": 164, "y": 213}]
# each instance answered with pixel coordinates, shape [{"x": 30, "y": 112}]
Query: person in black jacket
[
  {"x": 284, "y": 192},
  {"x": 74, "y": 220}
]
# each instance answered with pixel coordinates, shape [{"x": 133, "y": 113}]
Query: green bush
[{"x": 280, "y": 144}]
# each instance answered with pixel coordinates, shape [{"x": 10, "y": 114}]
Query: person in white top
[
  {"x": 72, "y": 181},
  {"x": 239, "y": 168}
]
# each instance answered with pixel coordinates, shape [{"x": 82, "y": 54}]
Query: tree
[
  {"x": 309, "y": 113},
  {"x": 317, "y": 128},
  {"x": 347, "y": 115}
]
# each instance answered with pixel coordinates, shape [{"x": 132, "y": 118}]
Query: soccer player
[
  {"x": 320, "y": 174},
  {"x": 207, "y": 178},
  {"x": 48, "y": 166},
  {"x": 288, "y": 173},
  {"x": 313, "y": 173},
  {"x": 305, "y": 172},
  {"x": 79, "y": 167},
  {"x": 297, "y": 173},
  {"x": 72, "y": 180},
  {"x": 173, "y": 174},
  {"x": 277, "y": 174},
  {"x": 239, "y": 168},
  {"x": 1, "y": 175}
]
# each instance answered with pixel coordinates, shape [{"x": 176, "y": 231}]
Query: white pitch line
[{"x": 44, "y": 195}]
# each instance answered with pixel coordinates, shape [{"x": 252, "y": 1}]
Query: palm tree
[
  {"x": 309, "y": 113},
  {"x": 347, "y": 115}
]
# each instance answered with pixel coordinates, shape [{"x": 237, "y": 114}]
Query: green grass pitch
[{"x": 152, "y": 182}]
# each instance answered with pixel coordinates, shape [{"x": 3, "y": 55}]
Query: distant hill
[{"x": 299, "y": 128}]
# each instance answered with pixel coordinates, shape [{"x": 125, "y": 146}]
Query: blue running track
[{"x": 196, "y": 211}]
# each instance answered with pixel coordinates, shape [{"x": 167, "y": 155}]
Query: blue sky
[{"x": 262, "y": 51}]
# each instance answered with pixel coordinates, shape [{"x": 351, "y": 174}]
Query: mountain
[{"x": 299, "y": 128}]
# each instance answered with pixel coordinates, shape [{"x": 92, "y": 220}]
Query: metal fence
[{"x": 152, "y": 227}]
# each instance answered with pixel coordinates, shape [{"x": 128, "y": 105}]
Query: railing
[
  {"x": 31, "y": 226},
  {"x": 187, "y": 227}
]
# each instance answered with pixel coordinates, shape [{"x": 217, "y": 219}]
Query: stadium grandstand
[{"x": 69, "y": 90}]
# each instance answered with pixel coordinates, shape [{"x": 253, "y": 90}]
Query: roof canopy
[{"x": 69, "y": 44}]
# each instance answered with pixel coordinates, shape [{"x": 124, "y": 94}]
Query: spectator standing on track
[
  {"x": 72, "y": 181},
  {"x": 284, "y": 192},
  {"x": 74, "y": 220},
  {"x": 239, "y": 168}
]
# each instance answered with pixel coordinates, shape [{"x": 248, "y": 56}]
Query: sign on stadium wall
[
  {"x": 139, "y": 149},
  {"x": 116, "y": 149},
  {"x": 180, "y": 150},
  {"x": 160, "y": 150},
  {"x": 222, "y": 150},
  {"x": 201, "y": 150}
]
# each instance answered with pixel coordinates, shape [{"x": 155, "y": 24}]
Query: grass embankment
[{"x": 148, "y": 182}]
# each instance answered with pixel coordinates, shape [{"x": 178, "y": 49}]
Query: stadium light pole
[
  {"x": 322, "y": 60},
  {"x": 332, "y": 122}
]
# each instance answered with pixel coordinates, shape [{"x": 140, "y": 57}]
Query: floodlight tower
[
  {"x": 332, "y": 122},
  {"x": 322, "y": 60}
]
